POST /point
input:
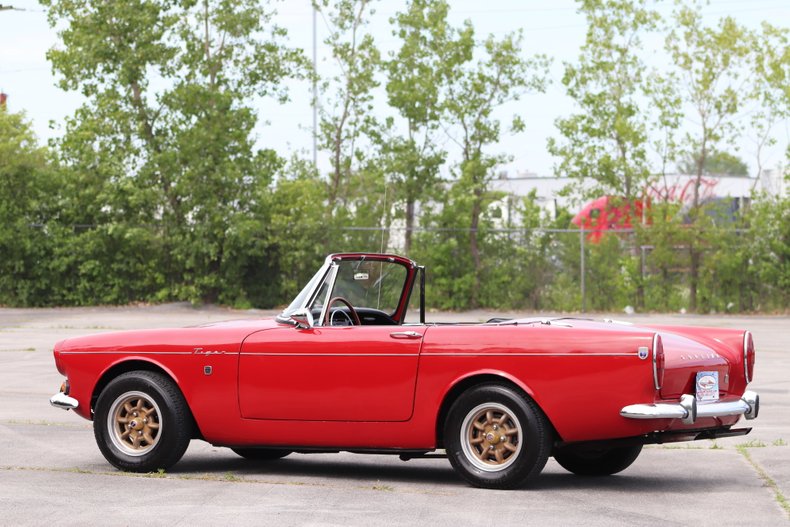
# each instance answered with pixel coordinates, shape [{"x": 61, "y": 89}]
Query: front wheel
[
  {"x": 496, "y": 437},
  {"x": 586, "y": 461},
  {"x": 142, "y": 422}
]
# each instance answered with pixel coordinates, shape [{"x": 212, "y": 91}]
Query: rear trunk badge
[{"x": 642, "y": 352}]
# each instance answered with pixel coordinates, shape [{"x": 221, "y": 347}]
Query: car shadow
[
  {"x": 308, "y": 466},
  {"x": 434, "y": 472}
]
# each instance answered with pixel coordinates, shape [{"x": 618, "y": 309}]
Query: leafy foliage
[
  {"x": 606, "y": 140},
  {"x": 158, "y": 189}
]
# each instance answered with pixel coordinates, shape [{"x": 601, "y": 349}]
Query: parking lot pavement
[{"x": 52, "y": 472}]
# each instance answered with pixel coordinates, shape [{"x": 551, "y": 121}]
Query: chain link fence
[{"x": 584, "y": 270}]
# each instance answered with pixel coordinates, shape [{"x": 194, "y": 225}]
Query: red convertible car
[{"x": 344, "y": 367}]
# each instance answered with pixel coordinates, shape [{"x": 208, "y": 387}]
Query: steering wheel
[{"x": 354, "y": 317}]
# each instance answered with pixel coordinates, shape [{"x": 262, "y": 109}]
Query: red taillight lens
[
  {"x": 658, "y": 361},
  {"x": 748, "y": 356}
]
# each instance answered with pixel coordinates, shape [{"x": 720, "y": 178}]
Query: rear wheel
[
  {"x": 261, "y": 454},
  {"x": 496, "y": 437},
  {"x": 142, "y": 422},
  {"x": 586, "y": 461}
]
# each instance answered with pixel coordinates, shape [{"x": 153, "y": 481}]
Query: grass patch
[
  {"x": 780, "y": 498},
  {"x": 23, "y": 350},
  {"x": 42, "y": 422},
  {"x": 227, "y": 477},
  {"x": 754, "y": 443},
  {"x": 779, "y": 442},
  {"x": 687, "y": 446}
]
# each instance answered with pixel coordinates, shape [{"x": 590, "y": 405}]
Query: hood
[{"x": 228, "y": 335}]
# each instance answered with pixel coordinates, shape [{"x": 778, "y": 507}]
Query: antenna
[{"x": 384, "y": 216}]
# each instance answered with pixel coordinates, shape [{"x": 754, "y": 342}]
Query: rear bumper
[{"x": 689, "y": 411}]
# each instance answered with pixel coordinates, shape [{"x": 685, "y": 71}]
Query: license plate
[{"x": 707, "y": 386}]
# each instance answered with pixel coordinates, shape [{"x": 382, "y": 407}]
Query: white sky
[{"x": 553, "y": 28}]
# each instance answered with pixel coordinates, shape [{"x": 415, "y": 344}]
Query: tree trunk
[
  {"x": 694, "y": 253},
  {"x": 473, "y": 247},
  {"x": 409, "y": 226}
]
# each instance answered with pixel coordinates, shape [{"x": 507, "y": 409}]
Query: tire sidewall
[
  {"x": 170, "y": 445},
  {"x": 534, "y": 438},
  {"x": 585, "y": 462}
]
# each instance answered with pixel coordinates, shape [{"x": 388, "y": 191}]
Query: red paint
[{"x": 607, "y": 214}]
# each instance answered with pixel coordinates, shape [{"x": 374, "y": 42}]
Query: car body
[{"x": 355, "y": 373}]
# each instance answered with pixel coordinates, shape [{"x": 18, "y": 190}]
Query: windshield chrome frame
[
  {"x": 331, "y": 281},
  {"x": 284, "y": 316}
]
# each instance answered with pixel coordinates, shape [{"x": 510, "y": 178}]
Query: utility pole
[
  {"x": 3, "y": 96},
  {"x": 315, "y": 89}
]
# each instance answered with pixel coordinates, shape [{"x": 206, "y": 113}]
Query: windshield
[
  {"x": 371, "y": 284},
  {"x": 374, "y": 287}
]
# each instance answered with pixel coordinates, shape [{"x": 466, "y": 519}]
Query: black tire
[
  {"x": 261, "y": 454},
  {"x": 523, "y": 445},
  {"x": 151, "y": 406},
  {"x": 586, "y": 461}
]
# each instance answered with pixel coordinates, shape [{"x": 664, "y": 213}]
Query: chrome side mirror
[{"x": 303, "y": 318}]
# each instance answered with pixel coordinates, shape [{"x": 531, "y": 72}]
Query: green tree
[
  {"x": 26, "y": 180},
  {"x": 772, "y": 67},
  {"x": 716, "y": 163},
  {"x": 416, "y": 87},
  {"x": 712, "y": 63},
  {"x": 164, "y": 139},
  {"x": 606, "y": 141},
  {"x": 476, "y": 89},
  {"x": 769, "y": 250},
  {"x": 346, "y": 110}
]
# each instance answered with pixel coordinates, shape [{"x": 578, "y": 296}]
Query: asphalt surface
[{"x": 51, "y": 471}]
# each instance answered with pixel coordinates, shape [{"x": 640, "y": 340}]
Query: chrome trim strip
[
  {"x": 655, "y": 365},
  {"x": 746, "y": 335},
  {"x": 114, "y": 352},
  {"x": 61, "y": 400},
  {"x": 475, "y": 354},
  {"x": 689, "y": 411},
  {"x": 536, "y": 354},
  {"x": 332, "y": 354}
]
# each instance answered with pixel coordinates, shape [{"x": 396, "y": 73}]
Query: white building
[{"x": 673, "y": 187}]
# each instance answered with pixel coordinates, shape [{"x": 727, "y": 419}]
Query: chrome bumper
[
  {"x": 61, "y": 400},
  {"x": 689, "y": 411}
]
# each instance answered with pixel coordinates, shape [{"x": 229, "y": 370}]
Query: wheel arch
[
  {"x": 139, "y": 364},
  {"x": 471, "y": 380}
]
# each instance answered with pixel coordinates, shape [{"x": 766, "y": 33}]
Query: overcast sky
[{"x": 553, "y": 28}]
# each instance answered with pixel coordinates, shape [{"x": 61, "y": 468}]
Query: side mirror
[{"x": 303, "y": 318}]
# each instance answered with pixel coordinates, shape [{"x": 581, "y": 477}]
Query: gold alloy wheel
[
  {"x": 134, "y": 423},
  {"x": 491, "y": 437}
]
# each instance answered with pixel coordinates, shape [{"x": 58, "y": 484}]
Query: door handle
[{"x": 406, "y": 335}]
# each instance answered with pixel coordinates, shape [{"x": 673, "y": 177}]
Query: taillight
[
  {"x": 658, "y": 361},
  {"x": 748, "y": 356}
]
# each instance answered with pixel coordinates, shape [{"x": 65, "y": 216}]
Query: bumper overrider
[
  {"x": 61, "y": 400},
  {"x": 689, "y": 411}
]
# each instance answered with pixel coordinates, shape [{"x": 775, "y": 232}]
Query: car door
[{"x": 330, "y": 373}]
